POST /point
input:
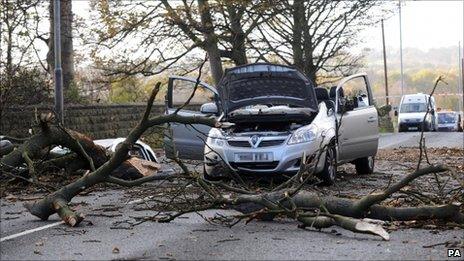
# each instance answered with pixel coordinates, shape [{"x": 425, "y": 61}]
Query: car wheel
[
  {"x": 364, "y": 165},
  {"x": 329, "y": 173},
  {"x": 208, "y": 177},
  {"x": 424, "y": 127}
]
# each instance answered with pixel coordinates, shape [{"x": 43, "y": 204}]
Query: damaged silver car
[{"x": 277, "y": 115}]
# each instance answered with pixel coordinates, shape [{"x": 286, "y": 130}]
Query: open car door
[
  {"x": 358, "y": 131},
  {"x": 188, "y": 141}
]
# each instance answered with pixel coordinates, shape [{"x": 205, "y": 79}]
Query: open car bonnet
[{"x": 264, "y": 83}]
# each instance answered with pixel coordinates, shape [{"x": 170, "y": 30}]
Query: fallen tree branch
[
  {"x": 364, "y": 203},
  {"x": 140, "y": 181},
  {"x": 45, "y": 207}
]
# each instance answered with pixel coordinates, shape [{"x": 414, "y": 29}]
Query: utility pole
[
  {"x": 462, "y": 63},
  {"x": 58, "y": 71},
  {"x": 401, "y": 50},
  {"x": 460, "y": 80},
  {"x": 385, "y": 65}
]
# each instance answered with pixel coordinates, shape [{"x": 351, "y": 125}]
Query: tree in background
[
  {"x": 316, "y": 36},
  {"x": 19, "y": 22},
  {"x": 153, "y": 37},
  {"x": 67, "y": 51},
  {"x": 21, "y": 82},
  {"x": 148, "y": 38},
  {"x": 22, "y": 24},
  {"x": 126, "y": 90}
]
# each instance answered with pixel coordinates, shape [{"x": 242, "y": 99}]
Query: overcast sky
[{"x": 426, "y": 24}]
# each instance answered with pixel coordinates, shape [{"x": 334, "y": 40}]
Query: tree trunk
[
  {"x": 67, "y": 52},
  {"x": 298, "y": 22},
  {"x": 6, "y": 17},
  {"x": 238, "y": 36},
  {"x": 308, "y": 63},
  {"x": 302, "y": 42},
  {"x": 210, "y": 43}
]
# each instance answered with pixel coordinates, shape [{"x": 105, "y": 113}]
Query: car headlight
[
  {"x": 215, "y": 137},
  {"x": 304, "y": 134}
]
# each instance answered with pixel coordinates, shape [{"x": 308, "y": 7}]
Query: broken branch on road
[{"x": 294, "y": 199}]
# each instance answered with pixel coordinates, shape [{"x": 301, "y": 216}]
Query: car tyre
[
  {"x": 329, "y": 173},
  {"x": 426, "y": 126},
  {"x": 208, "y": 177},
  {"x": 401, "y": 128},
  {"x": 364, "y": 165}
]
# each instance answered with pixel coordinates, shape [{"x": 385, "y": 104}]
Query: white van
[{"x": 412, "y": 110}]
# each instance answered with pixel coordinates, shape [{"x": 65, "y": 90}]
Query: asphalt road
[
  {"x": 411, "y": 139},
  {"x": 191, "y": 237}
]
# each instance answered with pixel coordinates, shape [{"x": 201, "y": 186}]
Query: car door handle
[{"x": 372, "y": 119}]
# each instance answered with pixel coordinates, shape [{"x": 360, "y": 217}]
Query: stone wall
[{"x": 97, "y": 121}]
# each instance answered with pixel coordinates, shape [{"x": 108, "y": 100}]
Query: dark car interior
[{"x": 322, "y": 95}]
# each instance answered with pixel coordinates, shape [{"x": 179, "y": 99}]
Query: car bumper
[
  {"x": 447, "y": 128},
  {"x": 286, "y": 159},
  {"x": 410, "y": 126}
]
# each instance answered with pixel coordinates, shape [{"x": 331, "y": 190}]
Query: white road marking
[{"x": 31, "y": 231}]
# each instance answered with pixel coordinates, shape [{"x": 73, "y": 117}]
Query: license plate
[
  {"x": 254, "y": 156},
  {"x": 413, "y": 128}
]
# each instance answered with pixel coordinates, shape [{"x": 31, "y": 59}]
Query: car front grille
[
  {"x": 246, "y": 144},
  {"x": 239, "y": 143},
  {"x": 255, "y": 165},
  {"x": 411, "y": 124},
  {"x": 269, "y": 143}
]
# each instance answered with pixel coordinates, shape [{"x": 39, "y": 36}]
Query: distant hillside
[
  {"x": 421, "y": 68},
  {"x": 413, "y": 58}
]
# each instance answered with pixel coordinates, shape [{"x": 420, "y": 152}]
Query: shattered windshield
[{"x": 413, "y": 107}]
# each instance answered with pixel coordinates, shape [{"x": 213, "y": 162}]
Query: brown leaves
[{"x": 412, "y": 154}]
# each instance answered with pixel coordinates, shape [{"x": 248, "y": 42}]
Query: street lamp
[{"x": 58, "y": 71}]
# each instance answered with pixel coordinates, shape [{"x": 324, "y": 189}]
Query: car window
[
  {"x": 136, "y": 151},
  {"x": 182, "y": 90},
  {"x": 150, "y": 155},
  {"x": 413, "y": 107},
  {"x": 446, "y": 118},
  {"x": 355, "y": 93}
]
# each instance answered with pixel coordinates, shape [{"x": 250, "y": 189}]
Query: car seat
[{"x": 322, "y": 95}]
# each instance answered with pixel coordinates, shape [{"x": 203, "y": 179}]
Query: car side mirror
[
  {"x": 209, "y": 108},
  {"x": 330, "y": 111},
  {"x": 396, "y": 113}
]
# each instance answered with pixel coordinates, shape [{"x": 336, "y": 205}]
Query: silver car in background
[
  {"x": 140, "y": 149},
  {"x": 277, "y": 115},
  {"x": 449, "y": 121}
]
